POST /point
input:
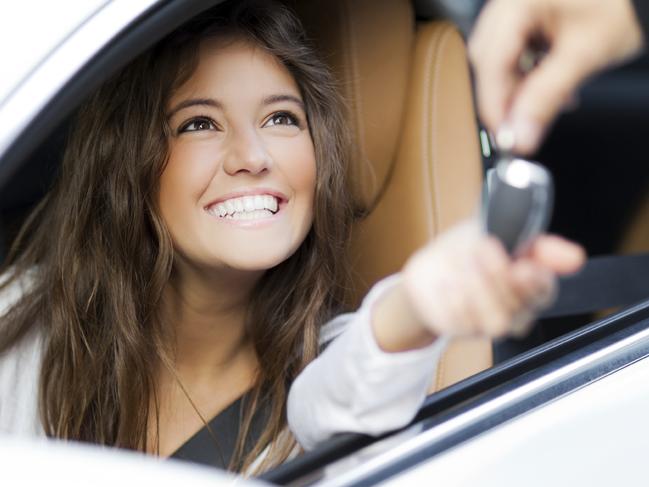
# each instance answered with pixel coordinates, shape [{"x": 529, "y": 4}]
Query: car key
[{"x": 518, "y": 198}]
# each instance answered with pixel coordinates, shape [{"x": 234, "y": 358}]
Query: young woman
[{"x": 188, "y": 258}]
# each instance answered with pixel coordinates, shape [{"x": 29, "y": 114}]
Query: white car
[{"x": 570, "y": 410}]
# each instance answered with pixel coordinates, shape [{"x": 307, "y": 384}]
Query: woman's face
[{"x": 238, "y": 188}]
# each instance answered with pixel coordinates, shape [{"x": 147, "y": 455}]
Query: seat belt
[
  {"x": 215, "y": 445},
  {"x": 604, "y": 282}
]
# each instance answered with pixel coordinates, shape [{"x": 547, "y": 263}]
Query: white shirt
[
  {"x": 353, "y": 386},
  {"x": 20, "y": 369}
]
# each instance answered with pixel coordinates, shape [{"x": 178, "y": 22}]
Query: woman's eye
[
  {"x": 197, "y": 124},
  {"x": 282, "y": 118}
]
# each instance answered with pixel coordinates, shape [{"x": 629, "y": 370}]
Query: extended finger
[
  {"x": 495, "y": 268},
  {"x": 535, "y": 285},
  {"x": 557, "y": 254},
  {"x": 494, "y": 54},
  {"x": 543, "y": 92},
  {"x": 522, "y": 323},
  {"x": 489, "y": 313}
]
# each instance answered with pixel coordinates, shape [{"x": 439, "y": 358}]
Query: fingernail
[
  {"x": 505, "y": 138},
  {"x": 527, "y": 134}
]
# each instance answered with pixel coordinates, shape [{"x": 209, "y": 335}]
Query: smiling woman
[
  {"x": 190, "y": 249},
  {"x": 238, "y": 189},
  {"x": 185, "y": 270}
]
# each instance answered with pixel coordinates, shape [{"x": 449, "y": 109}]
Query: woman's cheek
[
  {"x": 294, "y": 157},
  {"x": 192, "y": 165},
  {"x": 188, "y": 173}
]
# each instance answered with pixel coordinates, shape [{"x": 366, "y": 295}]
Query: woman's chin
[
  {"x": 258, "y": 261},
  {"x": 243, "y": 255}
]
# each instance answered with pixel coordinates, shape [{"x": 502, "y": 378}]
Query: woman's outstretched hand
[{"x": 463, "y": 283}]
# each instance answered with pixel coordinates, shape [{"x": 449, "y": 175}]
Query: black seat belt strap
[{"x": 604, "y": 282}]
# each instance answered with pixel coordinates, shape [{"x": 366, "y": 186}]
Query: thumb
[{"x": 542, "y": 94}]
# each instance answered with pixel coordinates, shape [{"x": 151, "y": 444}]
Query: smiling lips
[{"x": 251, "y": 207}]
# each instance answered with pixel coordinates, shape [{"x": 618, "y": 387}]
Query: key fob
[{"x": 517, "y": 203}]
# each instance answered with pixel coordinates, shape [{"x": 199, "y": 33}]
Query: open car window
[
  {"x": 567, "y": 362},
  {"x": 538, "y": 408}
]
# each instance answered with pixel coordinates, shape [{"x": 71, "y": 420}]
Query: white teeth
[
  {"x": 270, "y": 203},
  {"x": 250, "y": 215},
  {"x": 249, "y": 203},
  {"x": 246, "y": 207},
  {"x": 259, "y": 202}
]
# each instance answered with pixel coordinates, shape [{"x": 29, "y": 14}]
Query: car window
[{"x": 597, "y": 166}]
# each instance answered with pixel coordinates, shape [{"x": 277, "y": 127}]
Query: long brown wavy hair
[{"x": 102, "y": 255}]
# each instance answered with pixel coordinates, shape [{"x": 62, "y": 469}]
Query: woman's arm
[
  {"x": 464, "y": 284},
  {"x": 351, "y": 386},
  {"x": 374, "y": 377}
]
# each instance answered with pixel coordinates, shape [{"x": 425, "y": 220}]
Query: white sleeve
[{"x": 354, "y": 386}]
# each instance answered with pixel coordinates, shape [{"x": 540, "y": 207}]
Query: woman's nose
[{"x": 246, "y": 154}]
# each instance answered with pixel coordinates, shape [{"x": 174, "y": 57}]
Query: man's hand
[{"x": 583, "y": 36}]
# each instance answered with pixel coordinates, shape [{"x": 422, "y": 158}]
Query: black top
[
  {"x": 642, "y": 12},
  {"x": 215, "y": 447}
]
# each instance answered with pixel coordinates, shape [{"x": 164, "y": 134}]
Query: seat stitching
[
  {"x": 444, "y": 37},
  {"x": 430, "y": 129},
  {"x": 427, "y": 169},
  {"x": 435, "y": 123},
  {"x": 354, "y": 76},
  {"x": 426, "y": 125},
  {"x": 431, "y": 87}
]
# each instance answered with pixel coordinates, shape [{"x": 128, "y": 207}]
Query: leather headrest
[{"x": 368, "y": 44}]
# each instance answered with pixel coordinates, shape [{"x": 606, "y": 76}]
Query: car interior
[
  {"x": 414, "y": 78},
  {"x": 417, "y": 169},
  {"x": 419, "y": 162}
]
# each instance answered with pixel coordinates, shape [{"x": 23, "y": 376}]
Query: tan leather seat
[
  {"x": 635, "y": 238},
  {"x": 417, "y": 168}
]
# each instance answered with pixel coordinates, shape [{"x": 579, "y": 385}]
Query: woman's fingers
[
  {"x": 557, "y": 254},
  {"x": 506, "y": 294},
  {"x": 464, "y": 283},
  {"x": 500, "y": 300},
  {"x": 534, "y": 284}
]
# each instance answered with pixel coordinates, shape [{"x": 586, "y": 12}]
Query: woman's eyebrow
[
  {"x": 269, "y": 100},
  {"x": 206, "y": 102}
]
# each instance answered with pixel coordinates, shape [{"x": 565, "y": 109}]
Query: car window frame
[
  {"x": 127, "y": 29},
  {"x": 477, "y": 404},
  {"x": 138, "y": 34}
]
